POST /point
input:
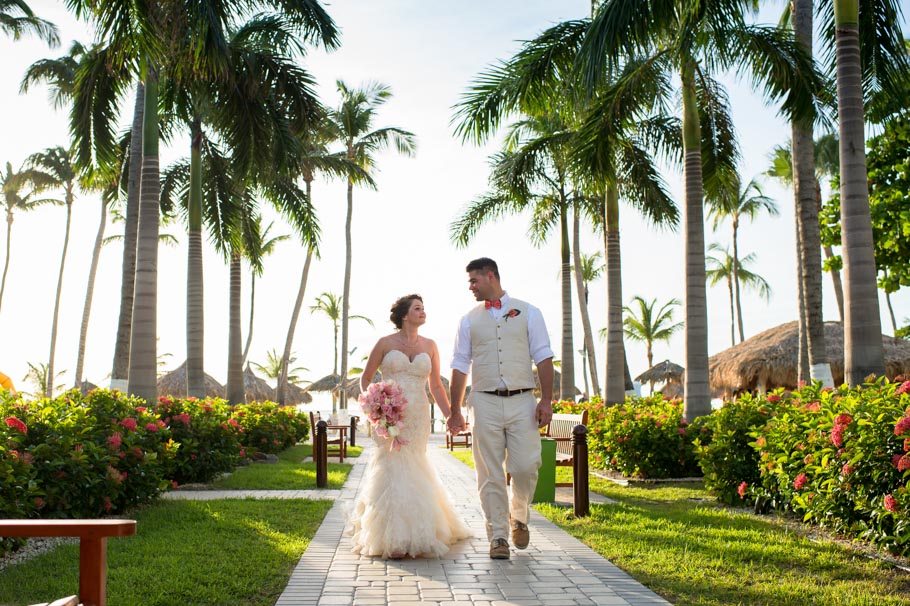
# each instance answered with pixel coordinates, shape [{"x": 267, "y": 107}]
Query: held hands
[
  {"x": 544, "y": 413},
  {"x": 455, "y": 423}
]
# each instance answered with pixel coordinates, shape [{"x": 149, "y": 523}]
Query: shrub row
[
  {"x": 838, "y": 457},
  {"x": 86, "y": 456}
]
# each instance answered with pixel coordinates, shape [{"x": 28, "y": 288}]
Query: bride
[{"x": 403, "y": 509}]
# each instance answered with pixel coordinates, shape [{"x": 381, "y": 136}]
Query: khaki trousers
[{"x": 506, "y": 439}]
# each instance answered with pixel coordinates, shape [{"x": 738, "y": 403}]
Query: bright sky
[{"x": 427, "y": 53}]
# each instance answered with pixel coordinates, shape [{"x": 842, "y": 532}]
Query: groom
[{"x": 496, "y": 342}]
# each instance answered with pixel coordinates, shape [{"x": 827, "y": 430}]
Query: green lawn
[
  {"x": 230, "y": 552},
  {"x": 290, "y": 473},
  {"x": 680, "y": 543}
]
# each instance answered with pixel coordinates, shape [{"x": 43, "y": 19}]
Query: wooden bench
[
  {"x": 92, "y": 534},
  {"x": 336, "y": 445},
  {"x": 560, "y": 430},
  {"x": 462, "y": 438}
]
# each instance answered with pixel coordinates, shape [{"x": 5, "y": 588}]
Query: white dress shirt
[{"x": 538, "y": 338}]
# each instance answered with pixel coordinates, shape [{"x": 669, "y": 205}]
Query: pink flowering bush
[
  {"x": 268, "y": 427},
  {"x": 840, "y": 458},
  {"x": 729, "y": 463},
  {"x": 86, "y": 455},
  {"x": 208, "y": 440},
  {"x": 644, "y": 437}
]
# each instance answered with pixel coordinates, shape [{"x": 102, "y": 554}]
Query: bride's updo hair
[{"x": 401, "y": 307}]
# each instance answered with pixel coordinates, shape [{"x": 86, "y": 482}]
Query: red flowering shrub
[
  {"x": 642, "y": 437},
  {"x": 207, "y": 442},
  {"x": 723, "y": 450},
  {"x": 268, "y": 427},
  {"x": 835, "y": 465}
]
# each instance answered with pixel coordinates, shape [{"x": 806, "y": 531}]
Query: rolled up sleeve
[
  {"x": 538, "y": 339},
  {"x": 461, "y": 353}
]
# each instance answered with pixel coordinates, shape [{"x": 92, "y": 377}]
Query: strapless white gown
[{"x": 402, "y": 507}]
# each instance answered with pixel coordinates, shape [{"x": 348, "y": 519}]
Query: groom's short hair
[{"x": 483, "y": 264}]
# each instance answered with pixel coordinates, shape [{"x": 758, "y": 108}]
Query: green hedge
[{"x": 104, "y": 452}]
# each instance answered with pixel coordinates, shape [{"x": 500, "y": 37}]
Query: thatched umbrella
[
  {"x": 556, "y": 380},
  {"x": 174, "y": 384},
  {"x": 326, "y": 383},
  {"x": 256, "y": 389},
  {"x": 297, "y": 395},
  {"x": 663, "y": 372},
  {"x": 769, "y": 359}
]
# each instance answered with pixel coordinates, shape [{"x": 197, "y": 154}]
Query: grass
[
  {"x": 205, "y": 553},
  {"x": 680, "y": 543},
  {"x": 289, "y": 473}
]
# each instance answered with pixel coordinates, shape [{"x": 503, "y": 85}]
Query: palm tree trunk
[
  {"x": 697, "y": 393},
  {"x": 49, "y": 391},
  {"x": 732, "y": 311},
  {"x": 567, "y": 370},
  {"x": 121, "y": 365},
  {"x": 615, "y": 381},
  {"x": 235, "y": 392},
  {"x": 249, "y": 334},
  {"x": 863, "y": 354},
  {"x": 286, "y": 357},
  {"x": 195, "y": 296},
  {"x": 346, "y": 294},
  {"x": 589, "y": 359},
  {"x": 810, "y": 264},
  {"x": 829, "y": 253},
  {"x": 143, "y": 339},
  {"x": 891, "y": 313},
  {"x": 739, "y": 307},
  {"x": 9, "y": 232},
  {"x": 89, "y": 294},
  {"x": 802, "y": 360}
]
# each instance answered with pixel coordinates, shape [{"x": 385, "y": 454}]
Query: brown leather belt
[{"x": 506, "y": 393}]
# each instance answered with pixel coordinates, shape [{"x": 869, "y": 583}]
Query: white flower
[{"x": 394, "y": 431}]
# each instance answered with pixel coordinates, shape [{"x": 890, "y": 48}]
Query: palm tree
[
  {"x": 587, "y": 269},
  {"x": 728, "y": 268},
  {"x": 164, "y": 37},
  {"x": 352, "y": 122},
  {"x": 273, "y": 368},
  {"x": 532, "y": 173},
  {"x": 826, "y": 164},
  {"x": 692, "y": 39},
  {"x": 331, "y": 305},
  {"x": 267, "y": 248},
  {"x": 40, "y": 378},
  {"x": 55, "y": 169},
  {"x": 314, "y": 157},
  {"x": 19, "y": 189},
  {"x": 17, "y": 19},
  {"x": 884, "y": 61},
  {"x": 615, "y": 131},
  {"x": 737, "y": 204},
  {"x": 648, "y": 326}
]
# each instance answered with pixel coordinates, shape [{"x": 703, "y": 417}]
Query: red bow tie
[{"x": 488, "y": 304}]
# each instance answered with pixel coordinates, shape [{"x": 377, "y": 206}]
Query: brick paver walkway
[{"x": 555, "y": 570}]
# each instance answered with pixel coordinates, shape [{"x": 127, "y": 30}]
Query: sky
[{"x": 428, "y": 53}]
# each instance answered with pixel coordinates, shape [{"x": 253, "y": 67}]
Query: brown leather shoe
[
  {"x": 520, "y": 534},
  {"x": 499, "y": 549}
]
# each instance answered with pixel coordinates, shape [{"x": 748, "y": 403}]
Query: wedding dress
[{"x": 402, "y": 507}]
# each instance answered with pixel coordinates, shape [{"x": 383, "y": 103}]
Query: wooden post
[
  {"x": 321, "y": 455},
  {"x": 352, "y": 439},
  {"x": 580, "y": 470}
]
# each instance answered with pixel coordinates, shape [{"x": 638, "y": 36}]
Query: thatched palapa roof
[
  {"x": 769, "y": 359},
  {"x": 662, "y": 372},
  {"x": 256, "y": 389},
  {"x": 296, "y": 395},
  {"x": 174, "y": 384}
]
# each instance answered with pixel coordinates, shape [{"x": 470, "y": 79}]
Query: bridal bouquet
[{"x": 383, "y": 403}]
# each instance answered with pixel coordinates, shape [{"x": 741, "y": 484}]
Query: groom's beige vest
[{"x": 500, "y": 351}]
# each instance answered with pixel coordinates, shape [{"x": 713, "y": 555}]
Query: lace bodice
[{"x": 412, "y": 377}]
